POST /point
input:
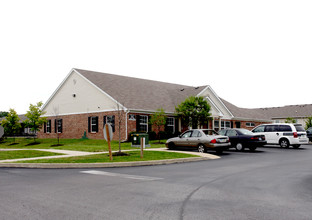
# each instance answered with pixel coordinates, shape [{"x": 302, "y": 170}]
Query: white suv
[{"x": 283, "y": 134}]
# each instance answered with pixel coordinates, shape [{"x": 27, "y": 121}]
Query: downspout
[{"x": 126, "y": 137}]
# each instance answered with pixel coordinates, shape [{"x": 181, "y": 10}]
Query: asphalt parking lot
[{"x": 271, "y": 183}]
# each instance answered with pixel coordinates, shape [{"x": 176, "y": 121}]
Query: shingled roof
[
  {"x": 293, "y": 111},
  {"x": 141, "y": 94}
]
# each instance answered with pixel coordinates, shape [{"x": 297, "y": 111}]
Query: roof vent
[
  {"x": 197, "y": 87},
  {"x": 182, "y": 90}
]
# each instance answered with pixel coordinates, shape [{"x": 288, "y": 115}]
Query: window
[
  {"x": 187, "y": 134},
  {"x": 284, "y": 128},
  {"x": 110, "y": 119},
  {"x": 196, "y": 133},
  {"x": 132, "y": 117},
  {"x": 93, "y": 124},
  {"x": 48, "y": 126},
  {"x": 231, "y": 133},
  {"x": 259, "y": 129},
  {"x": 58, "y": 125},
  {"x": 144, "y": 123},
  {"x": 224, "y": 124},
  {"x": 170, "y": 124},
  {"x": 271, "y": 128},
  {"x": 250, "y": 124}
]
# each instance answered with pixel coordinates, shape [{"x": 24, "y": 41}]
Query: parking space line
[{"x": 96, "y": 172}]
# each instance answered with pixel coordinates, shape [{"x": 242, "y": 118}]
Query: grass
[
  {"x": 18, "y": 154},
  {"x": 88, "y": 145},
  {"x": 104, "y": 158}
]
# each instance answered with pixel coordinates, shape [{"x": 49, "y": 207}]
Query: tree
[
  {"x": 34, "y": 120},
  {"x": 11, "y": 123},
  {"x": 308, "y": 122},
  {"x": 3, "y": 114},
  {"x": 290, "y": 120},
  {"x": 120, "y": 112},
  {"x": 194, "y": 111},
  {"x": 158, "y": 119}
]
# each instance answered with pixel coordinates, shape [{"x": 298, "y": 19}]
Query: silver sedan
[{"x": 200, "y": 139}]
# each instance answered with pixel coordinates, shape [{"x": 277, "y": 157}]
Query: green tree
[
  {"x": 194, "y": 111},
  {"x": 290, "y": 120},
  {"x": 158, "y": 119},
  {"x": 3, "y": 114},
  {"x": 308, "y": 122},
  {"x": 11, "y": 123},
  {"x": 34, "y": 117}
]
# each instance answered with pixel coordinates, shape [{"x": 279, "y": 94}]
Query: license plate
[
  {"x": 222, "y": 140},
  {"x": 260, "y": 139}
]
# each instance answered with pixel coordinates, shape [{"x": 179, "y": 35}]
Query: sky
[{"x": 252, "y": 53}]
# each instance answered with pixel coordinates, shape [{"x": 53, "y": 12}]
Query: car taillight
[
  {"x": 255, "y": 138},
  {"x": 213, "y": 141},
  {"x": 295, "y": 134}
]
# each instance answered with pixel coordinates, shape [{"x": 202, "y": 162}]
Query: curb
[{"x": 100, "y": 165}]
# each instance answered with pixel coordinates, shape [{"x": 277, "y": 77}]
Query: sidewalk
[{"x": 69, "y": 153}]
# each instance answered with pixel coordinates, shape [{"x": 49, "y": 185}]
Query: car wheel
[
  {"x": 239, "y": 147},
  {"x": 171, "y": 146},
  {"x": 284, "y": 143},
  {"x": 296, "y": 146},
  {"x": 201, "y": 148},
  {"x": 252, "y": 148}
]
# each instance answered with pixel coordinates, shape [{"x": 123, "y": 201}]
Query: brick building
[{"x": 86, "y": 100}]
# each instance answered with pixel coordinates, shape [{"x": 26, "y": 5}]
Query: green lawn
[
  {"x": 17, "y": 154},
  {"x": 104, "y": 158},
  {"x": 69, "y": 144}
]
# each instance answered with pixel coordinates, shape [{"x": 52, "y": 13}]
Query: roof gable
[
  {"x": 76, "y": 94},
  {"x": 140, "y": 94}
]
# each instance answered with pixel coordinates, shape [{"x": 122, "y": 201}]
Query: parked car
[
  {"x": 242, "y": 138},
  {"x": 283, "y": 134},
  {"x": 309, "y": 133},
  {"x": 200, "y": 139}
]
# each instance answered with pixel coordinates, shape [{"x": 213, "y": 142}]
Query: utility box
[{"x": 136, "y": 139}]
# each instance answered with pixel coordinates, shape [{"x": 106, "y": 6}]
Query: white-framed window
[
  {"x": 170, "y": 124},
  {"x": 110, "y": 119},
  {"x": 132, "y": 117},
  {"x": 58, "y": 125},
  {"x": 143, "y": 123},
  {"x": 250, "y": 124},
  {"x": 94, "y": 124},
  {"x": 48, "y": 126},
  {"x": 224, "y": 124}
]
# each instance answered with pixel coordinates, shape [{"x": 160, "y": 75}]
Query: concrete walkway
[{"x": 70, "y": 153}]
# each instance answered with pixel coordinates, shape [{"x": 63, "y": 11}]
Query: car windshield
[
  {"x": 245, "y": 132},
  {"x": 299, "y": 128},
  {"x": 210, "y": 132}
]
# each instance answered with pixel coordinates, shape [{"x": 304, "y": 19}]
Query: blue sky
[{"x": 252, "y": 53}]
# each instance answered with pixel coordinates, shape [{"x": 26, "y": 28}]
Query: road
[{"x": 271, "y": 183}]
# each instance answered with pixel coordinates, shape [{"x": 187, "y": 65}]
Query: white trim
[
  {"x": 80, "y": 113},
  {"x": 147, "y": 111},
  {"x": 208, "y": 87},
  {"x": 251, "y": 119},
  {"x": 220, "y": 112}
]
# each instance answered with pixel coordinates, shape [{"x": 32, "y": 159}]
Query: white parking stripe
[{"x": 96, "y": 172}]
